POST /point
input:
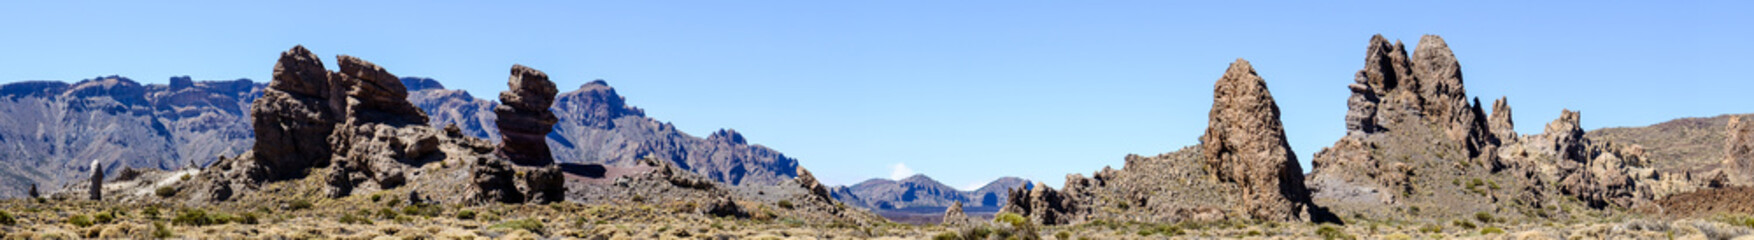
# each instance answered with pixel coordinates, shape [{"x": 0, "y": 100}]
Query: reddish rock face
[
  {"x": 1245, "y": 144},
  {"x": 524, "y": 118}
]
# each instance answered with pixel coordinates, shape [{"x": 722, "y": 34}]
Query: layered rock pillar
[{"x": 524, "y": 118}]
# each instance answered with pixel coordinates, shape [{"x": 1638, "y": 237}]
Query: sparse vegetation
[
  {"x": 1491, "y": 230},
  {"x": 151, "y": 212},
  {"x": 466, "y": 214},
  {"x": 1483, "y": 217},
  {"x": 526, "y": 224},
  {"x": 786, "y": 204},
  {"x": 1463, "y": 224},
  {"x": 946, "y": 236},
  {"x": 6, "y": 218},
  {"x": 161, "y": 231}
]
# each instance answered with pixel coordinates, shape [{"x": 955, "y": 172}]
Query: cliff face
[{"x": 55, "y": 129}]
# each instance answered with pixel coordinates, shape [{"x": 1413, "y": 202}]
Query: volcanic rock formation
[
  {"x": 359, "y": 129},
  {"x": 1245, "y": 144},
  {"x": 524, "y": 119},
  {"x": 1417, "y": 147}
]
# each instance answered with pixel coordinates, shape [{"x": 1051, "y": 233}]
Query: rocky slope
[{"x": 54, "y": 130}]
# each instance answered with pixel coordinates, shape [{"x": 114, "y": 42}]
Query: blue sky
[{"x": 964, "y": 91}]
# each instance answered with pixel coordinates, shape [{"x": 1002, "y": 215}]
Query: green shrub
[
  {"x": 526, "y": 224},
  {"x": 194, "y": 217},
  {"x": 393, "y": 202},
  {"x": 103, "y": 217},
  {"x": 1331, "y": 232},
  {"x": 1169, "y": 230},
  {"x": 349, "y": 218},
  {"x": 1463, "y": 224},
  {"x": 1063, "y": 235},
  {"x": 301, "y": 204},
  {"x": 1016, "y": 221},
  {"x": 466, "y": 214},
  {"x": 80, "y": 220},
  {"x": 166, "y": 191},
  {"x": 1483, "y": 217},
  {"x": 376, "y": 197},
  {"x": 946, "y": 236},
  {"x": 787, "y": 204},
  {"x": 151, "y": 212},
  {"x": 6, "y": 218},
  {"x": 427, "y": 210},
  {"x": 160, "y": 231},
  {"x": 386, "y": 213},
  {"x": 977, "y": 233},
  {"x": 1431, "y": 228},
  {"x": 1491, "y": 230}
]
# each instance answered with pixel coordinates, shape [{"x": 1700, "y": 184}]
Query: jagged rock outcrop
[
  {"x": 1245, "y": 144},
  {"x": 1739, "y": 150},
  {"x": 1500, "y": 121},
  {"x": 524, "y": 119},
  {"x": 1414, "y": 139},
  {"x": 1042, "y": 205},
  {"x": 359, "y": 129}
]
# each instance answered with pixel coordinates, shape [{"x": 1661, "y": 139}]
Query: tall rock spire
[
  {"x": 524, "y": 118},
  {"x": 1245, "y": 144}
]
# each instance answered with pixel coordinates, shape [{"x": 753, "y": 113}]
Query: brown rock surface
[
  {"x": 1245, "y": 144},
  {"x": 1500, "y": 122},
  {"x": 524, "y": 119}
]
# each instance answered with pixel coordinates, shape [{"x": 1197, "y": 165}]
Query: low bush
[
  {"x": 787, "y": 204},
  {"x": 80, "y": 220},
  {"x": 466, "y": 214},
  {"x": 6, "y": 218},
  {"x": 1463, "y": 224},
  {"x": 193, "y": 217},
  {"x": 160, "y": 231},
  {"x": 946, "y": 236},
  {"x": 166, "y": 191},
  {"x": 526, "y": 224},
  {"x": 349, "y": 218},
  {"x": 1483, "y": 217},
  {"x": 1491, "y": 230},
  {"x": 1330, "y": 232},
  {"x": 103, "y": 217}
]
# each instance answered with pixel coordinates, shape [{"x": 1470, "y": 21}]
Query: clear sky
[{"x": 964, "y": 91}]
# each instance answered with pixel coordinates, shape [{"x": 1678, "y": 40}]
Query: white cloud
[
  {"x": 900, "y": 171},
  {"x": 971, "y": 186}
]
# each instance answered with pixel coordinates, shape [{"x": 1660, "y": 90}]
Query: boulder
[{"x": 1245, "y": 144}]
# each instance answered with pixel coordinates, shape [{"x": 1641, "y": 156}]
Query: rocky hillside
[
  {"x": 55, "y": 130},
  {"x": 920, "y": 191}
]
